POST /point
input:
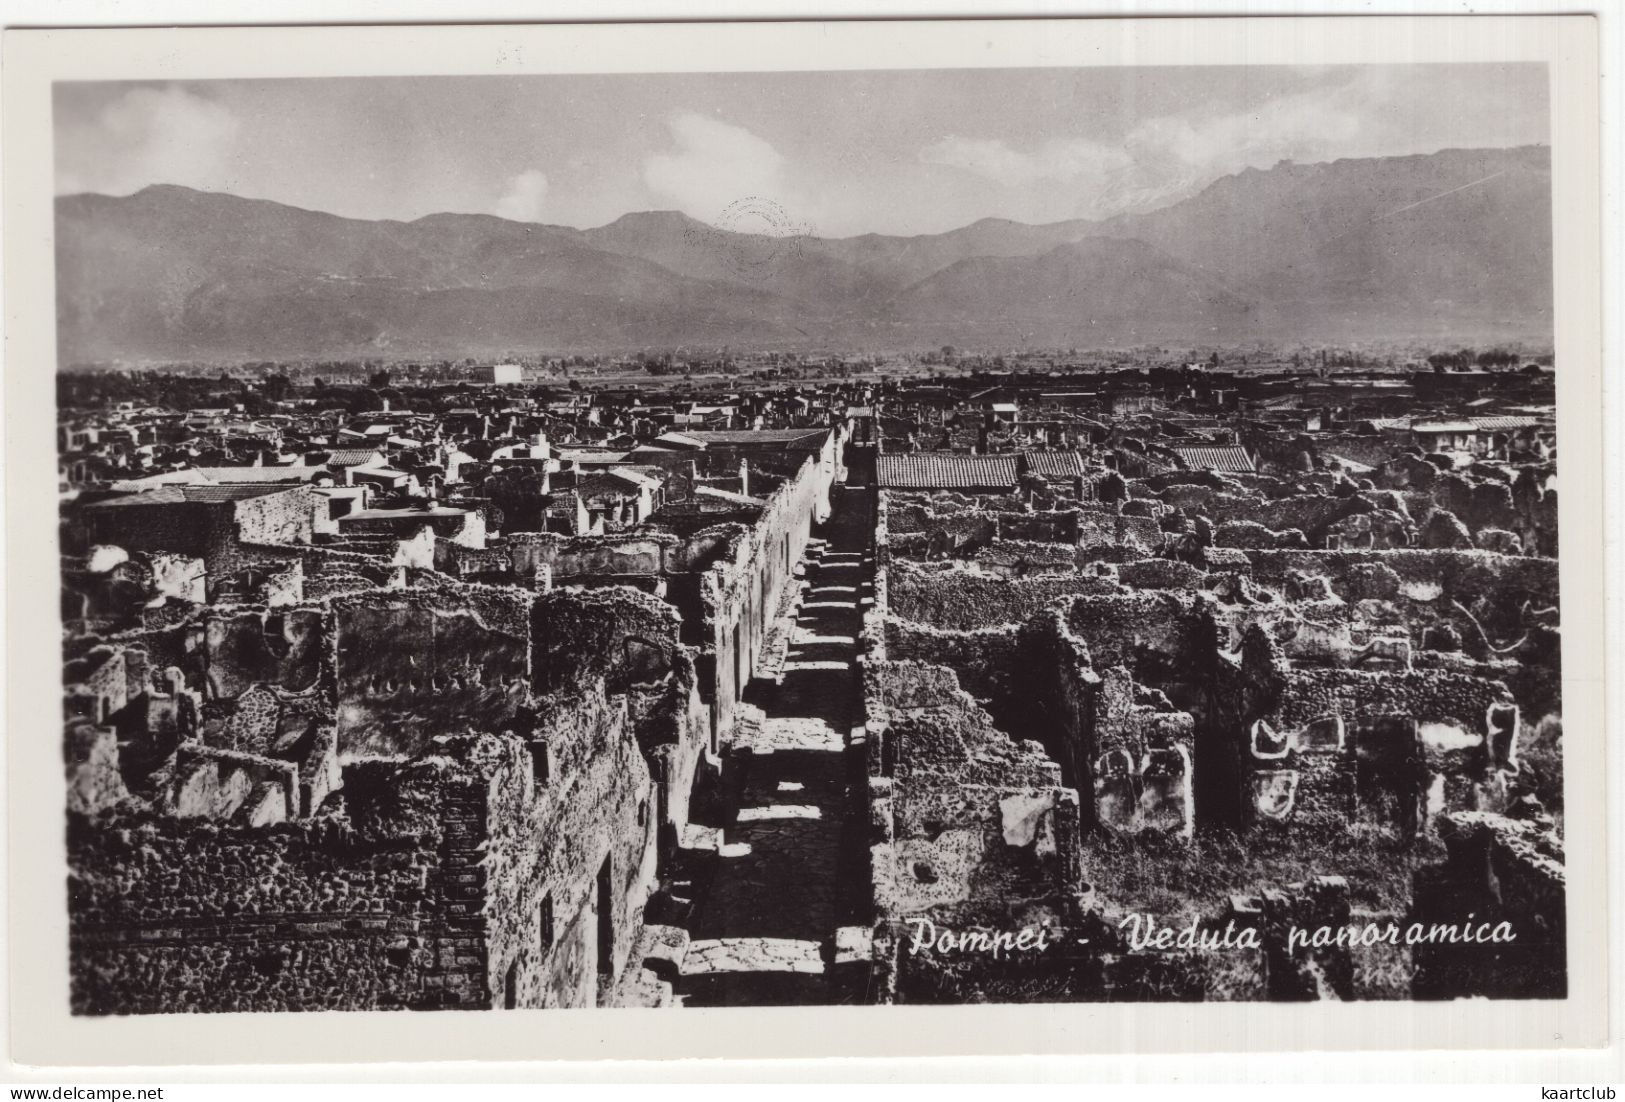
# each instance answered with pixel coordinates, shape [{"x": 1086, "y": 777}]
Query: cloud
[
  {"x": 1307, "y": 125},
  {"x": 149, "y": 136},
  {"x": 524, "y": 197},
  {"x": 1169, "y": 157},
  {"x": 1060, "y": 159},
  {"x": 714, "y": 164}
]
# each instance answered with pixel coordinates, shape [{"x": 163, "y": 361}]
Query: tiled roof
[
  {"x": 1443, "y": 426},
  {"x": 1504, "y": 424},
  {"x": 946, "y": 470},
  {"x": 1053, "y": 464},
  {"x": 189, "y": 494},
  {"x": 228, "y": 493},
  {"x": 757, "y": 436},
  {"x": 1231, "y": 458},
  {"x": 351, "y": 457}
]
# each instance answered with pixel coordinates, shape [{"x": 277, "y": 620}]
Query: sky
[{"x": 841, "y": 154}]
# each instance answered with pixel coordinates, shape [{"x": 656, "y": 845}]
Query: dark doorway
[
  {"x": 606, "y": 920},
  {"x": 510, "y": 987}
]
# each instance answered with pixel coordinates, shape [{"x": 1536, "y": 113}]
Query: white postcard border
[{"x": 43, "y": 1032}]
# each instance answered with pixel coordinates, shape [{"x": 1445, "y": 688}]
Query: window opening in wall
[
  {"x": 545, "y": 923},
  {"x": 275, "y": 640},
  {"x": 541, "y": 762},
  {"x": 510, "y": 987}
]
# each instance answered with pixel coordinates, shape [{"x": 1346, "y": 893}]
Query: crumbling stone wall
[
  {"x": 742, "y": 590},
  {"x": 411, "y": 883},
  {"x": 324, "y": 571},
  {"x": 970, "y": 828},
  {"x": 1336, "y": 747},
  {"x": 571, "y": 557},
  {"x": 1473, "y": 578},
  {"x": 1021, "y": 558},
  {"x": 1052, "y": 526},
  {"x": 942, "y": 527},
  {"x": 1492, "y": 600},
  {"x": 1496, "y": 870},
  {"x": 344, "y": 913},
  {"x": 1114, "y": 537},
  {"x": 983, "y": 659},
  {"x": 1144, "y": 630},
  {"x": 283, "y": 517},
  {"x": 629, "y": 643},
  {"x": 1119, "y": 745},
  {"x": 245, "y": 646},
  {"x": 570, "y": 856},
  {"x": 414, "y": 663},
  {"x": 92, "y": 759},
  {"x": 1308, "y": 513},
  {"x": 965, "y": 600}
]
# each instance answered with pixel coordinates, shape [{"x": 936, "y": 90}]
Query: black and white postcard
[{"x": 1093, "y": 525}]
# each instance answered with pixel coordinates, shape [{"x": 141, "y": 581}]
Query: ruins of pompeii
[{"x": 496, "y": 691}]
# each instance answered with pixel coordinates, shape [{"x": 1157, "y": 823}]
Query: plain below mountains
[{"x": 1453, "y": 246}]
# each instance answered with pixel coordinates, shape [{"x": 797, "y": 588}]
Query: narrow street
[{"x": 787, "y": 904}]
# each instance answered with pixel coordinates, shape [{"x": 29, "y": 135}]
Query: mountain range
[{"x": 1448, "y": 246}]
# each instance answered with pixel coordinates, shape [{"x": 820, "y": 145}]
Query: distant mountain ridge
[{"x": 1454, "y": 245}]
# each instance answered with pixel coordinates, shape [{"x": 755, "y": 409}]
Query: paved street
[{"x": 768, "y": 931}]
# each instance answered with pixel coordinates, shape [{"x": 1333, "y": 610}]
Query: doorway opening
[{"x": 606, "y": 920}]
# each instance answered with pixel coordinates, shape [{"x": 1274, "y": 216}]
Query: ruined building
[
  {"x": 376, "y": 785},
  {"x": 1151, "y": 662}
]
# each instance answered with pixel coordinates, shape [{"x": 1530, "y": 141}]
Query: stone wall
[
  {"x": 970, "y": 828},
  {"x": 1113, "y": 537},
  {"x": 1475, "y": 579},
  {"x": 570, "y": 858},
  {"x": 244, "y": 646},
  {"x": 1496, "y": 870},
  {"x": 1332, "y": 747},
  {"x": 629, "y": 644},
  {"x": 742, "y": 590},
  {"x": 1146, "y": 630},
  {"x": 984, "y": 660},
  {"x": 425, "y": 885},
  {"x": 412, "y": 664},
  {"x": 962, "y": 599},
  {"x": 352, "y": 913},
  {"x": 283, "y": 517}
]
